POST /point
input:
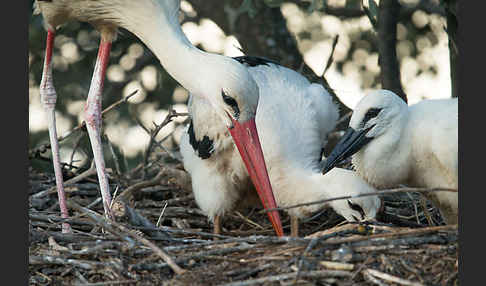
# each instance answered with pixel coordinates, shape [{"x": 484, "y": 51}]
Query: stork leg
[
  {"x": 93, "y": 120},
  {"x": 48, "y": 101},
  {"x": 294, "y": 226},
  {"x": 217, "y": 224}
]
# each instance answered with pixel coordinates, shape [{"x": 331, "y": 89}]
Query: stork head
[
  {"x": 234, "y": 98},
  {"x": 376, "y": 115},
  {"x": 231, "y": 90}
]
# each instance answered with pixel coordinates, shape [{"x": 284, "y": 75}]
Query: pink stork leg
[
  {"x": 93, "y": 120},
  {"x": 48, "y": 100}
]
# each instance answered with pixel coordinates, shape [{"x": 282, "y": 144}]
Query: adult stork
[
  {"x": 392, "y": 143},
  {"x": 220, "y": 80},
  {"x": 293, "y": 118},
  {"x": 55, "y": 14}
]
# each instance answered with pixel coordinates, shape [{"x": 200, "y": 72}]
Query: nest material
[{"x": 158, "y": 217}]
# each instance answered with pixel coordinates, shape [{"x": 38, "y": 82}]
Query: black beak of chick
[{"x": 351, "y": 142}]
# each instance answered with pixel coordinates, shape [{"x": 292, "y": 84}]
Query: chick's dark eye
[
  {"x": 357, "y": 208},
  {"x": 371, "y": 113},
  {"x": 232, "y": 103}
]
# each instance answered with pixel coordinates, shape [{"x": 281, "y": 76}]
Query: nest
[{"x": 159, "y": 236}]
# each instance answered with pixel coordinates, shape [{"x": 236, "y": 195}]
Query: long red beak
[{"x": 245, "y": 136}]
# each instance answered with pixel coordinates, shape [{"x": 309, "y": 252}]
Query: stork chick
[{"x": 392, "y": 143}]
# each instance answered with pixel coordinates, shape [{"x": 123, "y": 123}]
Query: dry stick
[
  {"x": 111, "y": 228},
  {"x": 390, "y": 278},
  {"x": 76, "y": 145},
  {"x": 69, "y": 133},
  {"x": 153, "y": 133},
  {"x": 91, "y": 171},
  {"x": 428, "y": 216},
  {"x": 47, "y": 259},
  {"x": 390, "y": 191},
  {"x": 393, "y": 234},
  {"x": 309, "y": 247},
  {"x": 277, "y": 278},
  {"x": 128, "y": 192},
  {"x": 109, "y": 283},
  {"x": 367, "y": 276},
  {"x": 331, "y": 57},
  {"x": 197, "y": 255},
  {"x": 115, "y": 158},
  {"x": 161, "y": 214}
]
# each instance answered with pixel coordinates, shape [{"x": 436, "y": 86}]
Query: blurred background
[{"x": 298, "y": 34}]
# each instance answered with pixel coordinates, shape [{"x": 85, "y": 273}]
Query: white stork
[
  {"x": 55, "y": 14},
  {"x": 394, "y": 143},
  {"x": 218, "y": 79},
  {"x": 293, "y": 118}
]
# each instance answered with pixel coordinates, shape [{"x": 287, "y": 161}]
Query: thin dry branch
[
  {"x": 44, "y": 147},
  {"x": 281, "y": 277},
  {"x": 153, "y": 133},
  {"x": 120, "y": 230},
  {"x": 391, "y": 278},
  {"x": 91, "y": 171}
]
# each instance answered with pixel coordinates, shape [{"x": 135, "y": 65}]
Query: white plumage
[
  {"x": 293, "y": 119},
  {"x": 413, "y": 145}
]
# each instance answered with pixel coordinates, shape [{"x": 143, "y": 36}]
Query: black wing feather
[{"x": 254, "y": 61}]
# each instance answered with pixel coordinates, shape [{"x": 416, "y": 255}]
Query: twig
[
  {"x": 108, "y": 283},
  {"x": 91, "y": 171},
  {"x": 197, "y": 255},
  {"x": 390, "y": 278},
  {"x": 277, "y": 278},
  {"x": 419, "y": 231},
  {"x": 111, "y": 228},
  {"x": 161, "y": 214},
  {"x": 115, "y": 158},
  {"x": 42, "y": 148},
  {"x": 249, "y": 220},
  {"x": 128, "y": 192},
  {"x": 153, "y": 133},
  {"x": 331, "y": 57},
  {"x": 428, "y": 216},
  {"x": 75, "y": 147},
  {"x": 47, "y": 259},
  {"x": 309, "y": 247}
]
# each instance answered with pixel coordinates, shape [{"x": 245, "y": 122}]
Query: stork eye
[
  {"x": 357, "y": 208},
  {"x": 371, "y": 113},
  {"x": 232, "y": 103}
]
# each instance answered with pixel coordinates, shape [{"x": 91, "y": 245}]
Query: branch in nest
[
  {"x": 280, "y": 278},
  {"x": 121, "y": 231},
  {"x": 181, "y": 178},
  {"x": 153, "y": 134}
]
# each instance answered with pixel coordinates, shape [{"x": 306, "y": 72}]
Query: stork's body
[
  {"x": 293, "y": 118},
  {"x": 399, "y": 144},
  {"x": 55, "y": 14},
  {"x": 216, "y": 78}
]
